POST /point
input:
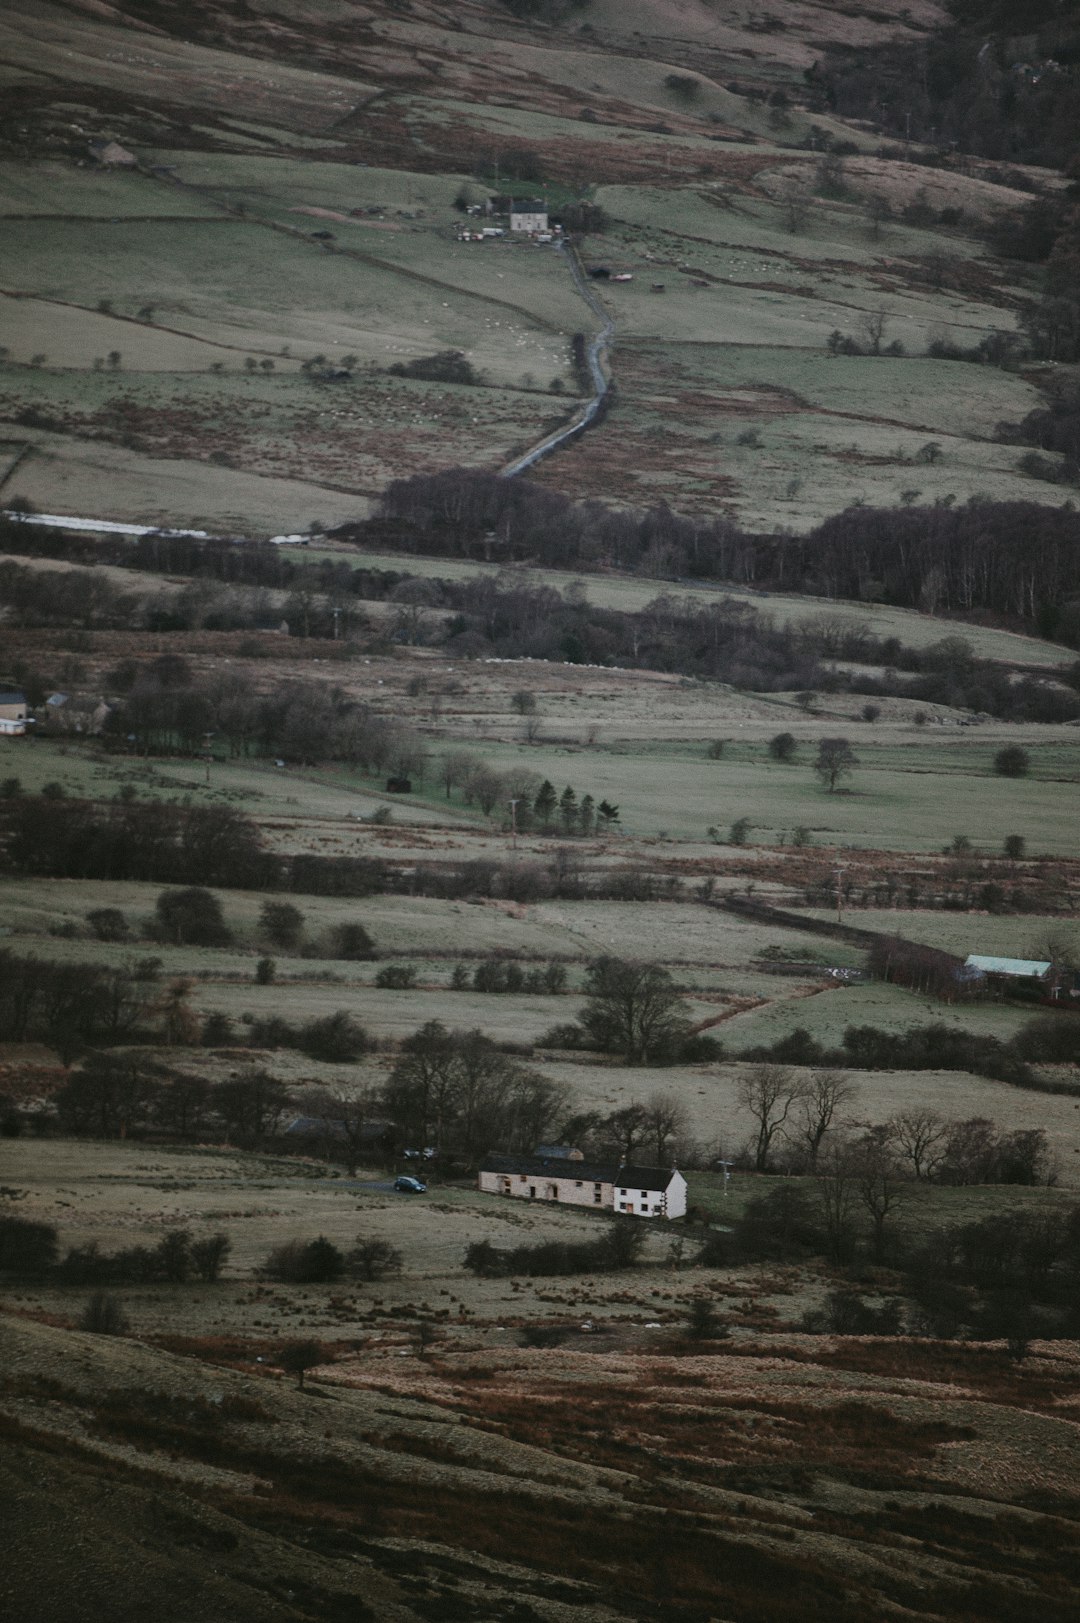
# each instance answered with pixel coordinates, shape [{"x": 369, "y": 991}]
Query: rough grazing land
[
  {"x": 203, "y": 255},
  {"x": 205, "y": 335}
]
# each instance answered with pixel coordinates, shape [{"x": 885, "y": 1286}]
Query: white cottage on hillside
[
  {"x": 13, "y": 712},
  {"x": 528, "y": 214},
  {"x": 634, "y": 1190},
  {"x": 549, "y": 1177},
  {"x": 650, "y": 1192}
]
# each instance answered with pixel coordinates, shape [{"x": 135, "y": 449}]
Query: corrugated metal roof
[{"x": 1007, "y": 966}]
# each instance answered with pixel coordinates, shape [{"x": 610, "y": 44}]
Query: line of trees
[
  {"x": 194, "y": 847},
  {"x": 31, "y": 1250},
  {"x": 1014, "y": 558},
  {"x": 803, "y": 1122},
  {"x": 935, "y": 1047},
  {"x": 1009, "y": 1276}
]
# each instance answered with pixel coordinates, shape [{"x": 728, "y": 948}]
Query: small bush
[
  {"x": 1012, "y": 762},
  {"x": 108, "y": 924},
  {"x": 103, "y": 1315},
  {"x": 335, "y": 1038},
  {"x": 396, "y": 977},
  {"x": 311, "y": 1262}
]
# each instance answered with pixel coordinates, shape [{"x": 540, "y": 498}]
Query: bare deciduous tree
[
  {"x": 835, "y": 1179},
  {"x": 665, "y": 1119},
  {"x": 769, "y": 1093},
  {"x": 880, "y": 1182},
  {"x": 921, "y": 1136},
  {"x": 823, "y": 1095}
]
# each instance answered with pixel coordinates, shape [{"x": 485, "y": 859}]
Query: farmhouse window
[
  {"x": 644, "y": 1194},
  {"x": 579, "y": 1184},
  {"x": 622, "y": 1191},
  {"x": 597, "y": 1197}
]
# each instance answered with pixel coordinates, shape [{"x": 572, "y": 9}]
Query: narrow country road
[{"x": 596, "y": 352}]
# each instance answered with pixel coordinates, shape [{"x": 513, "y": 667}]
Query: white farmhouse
[
  {"x": 549, "y": 1177},
  {"x": 650, "y": 1192},
  {"x": 13, "y": 712},
  {"x": 528, "y": 214},
  {"x": 566, "y": 1178}
]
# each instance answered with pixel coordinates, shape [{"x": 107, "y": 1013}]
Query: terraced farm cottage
[{"x": 568, "y": 1178}]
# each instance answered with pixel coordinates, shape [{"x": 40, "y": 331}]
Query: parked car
[{"x": 410, "y": 1186}]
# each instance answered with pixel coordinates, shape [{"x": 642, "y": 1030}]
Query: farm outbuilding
[
  {"x": 1009, "y": 969},
  {"x": 1023, "y": 976}
]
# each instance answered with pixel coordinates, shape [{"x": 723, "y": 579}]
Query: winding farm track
[{"x": 596, "y": 355}]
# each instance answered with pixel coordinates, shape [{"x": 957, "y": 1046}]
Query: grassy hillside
[{"x": 691, "y": 132}]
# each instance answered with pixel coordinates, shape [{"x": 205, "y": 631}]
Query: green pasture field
[
  {"x": 826, "y": 1013},
  {"x": 43, "y": 186},
  {"x": 277, "y": 184},
  {"x": 631, "y": 594},
  {"x": 97, "y": 480},
  {"x": 692, "y": 940},
  {"x": 748, "y": 238},
  {"x": 730, "y": 313},
  {"x": 418, "y": 239},
  {"x": 233, "y": 282},
  {"x": 256, "y": 787},
  {"x": 890, "y": 803},
  {"x": 254, "y": 292},
  {"x": 898, "y": 400},
  {"x": 75, "y": 338},
  {"x": 1024, "y": 935}
]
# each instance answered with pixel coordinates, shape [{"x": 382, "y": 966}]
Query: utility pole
[
  {"x": 513, "y": 825},
  {"x": 838, "y": 875}
]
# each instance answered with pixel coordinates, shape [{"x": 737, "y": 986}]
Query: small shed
[
  {"x": 112, "y": 155},
  {"x": 528, "y": 214}
]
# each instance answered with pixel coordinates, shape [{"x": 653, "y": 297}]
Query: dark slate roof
[
  {"x": 528, "y": 205},
  {"x": 632, "y": 1177},
  {"x": 557, "y": 1152},
  {"x": 12, "y": 696},
  {"x": 551, "y": 1167}
]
